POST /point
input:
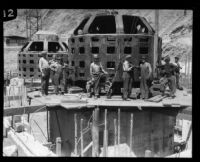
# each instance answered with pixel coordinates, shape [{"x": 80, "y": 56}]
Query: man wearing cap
[
  {"x": 127, "y": 78},
  {"x": 45, "y": 71},
  {"x": 177, "y": 73},
  {"x": 169, "y": 73},
  {"x": 145, "y": 74},
  {"x": 98, "y": 74}
]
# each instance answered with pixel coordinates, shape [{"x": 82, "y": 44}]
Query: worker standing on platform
[
  {"x": 169, "y": 73},
  {"x": 52, "y": 67},
  {"x": 146, "y": 72},
  {"x": 57, "y": 68},
  {"x": 65, "y": 74},
  {"x": 177, "y": 73},
  {"x": 45, "y": 71},
  {"x": 127, "y": 78},
  {"x": 98, "y": 74}
]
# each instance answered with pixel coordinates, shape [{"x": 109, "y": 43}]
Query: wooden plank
[
  {"x": 76, "y": 133},
  {"x": 105, "y": 143},
  {"x": 131, "y": 133},
  {"x": 81, "y": 132},
  {"x": 10, "y": 111},
  {"x": 58, "y": 146},
  {"x": 115, "y": 137},
  {"x": 87, "y": 147},
  {"x": 118, "y": 132},
  {"x": 95, "y": 133}
]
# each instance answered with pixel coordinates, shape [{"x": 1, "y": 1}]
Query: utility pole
[{"x": 156, "y": 38}]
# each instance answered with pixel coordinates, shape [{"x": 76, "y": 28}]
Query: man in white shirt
[
  {"x": 127, "y": 78},
  {"x": 45, "y": 71}
]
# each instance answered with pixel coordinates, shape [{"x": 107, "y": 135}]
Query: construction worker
[
  {"x": 97, "y": 73},
  {"x": 45, "y": 71},
  {"x": 127, "y": 78},
  {"x": 177, "y": 73},
  {"x": 145, "y": 74},
  {"x": 65, "y": 74},
  {"x": 169, "y": 73},
  {"x": 57, "y": 68},
  {"x": 52, "y": 72}
]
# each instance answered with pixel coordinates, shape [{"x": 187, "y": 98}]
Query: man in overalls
[
  {"x": 146, "y": 72},
  {"x": 98, "y": 74}
]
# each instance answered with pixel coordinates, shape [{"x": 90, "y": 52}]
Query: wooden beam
[
  {"x": 76, "y": 133},
  {"x": 115, "y": 136},
  {"x": 87, "y": 147},
  {"x": 131, "y": 133},
  {"x": 10, "y": 111},
  {"x": 95, "y": 133},
  {"x": 118, "y": 134},
  {"x": 81, "y": 132},
  {"x": 58, "y": 146},
  {"x": 105, "y": 142}
]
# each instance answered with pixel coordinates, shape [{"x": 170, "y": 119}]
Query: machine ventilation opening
[
  {"x": 19, "y": 69},
  {"x": 31, "y": 55},
  {"x": 24, "y": 55},
  {"x": 81, "y": 74},
  {"x": 81, "y": 50},
  {"x": 95, "y": 49},
  {"x": 72, "y": 50},
  {"x": 128, "y": 39},
  {"x": 24, "y": 69},
  {"x": 54, "y": 47},
  {"x": 143, "y": 50},
  {"x": 31, "y": 69},
  {"x": 19, "y": 74},
  {"x": 81, "y": 39},
  {"x": 24, "y": 75},
  {"x": 31, "y": 75},
  {"x": 95, "y": 39},
  {"x": 110, "y": 50},
  {"x": 38, "y": 70},
  {"x": 19, "y": 61},
  {"x": 127, "y": 50},
  {"x": 111, "y": 64},
  {"x": 24, "y": 61},
  {"x": 36, "y": 46},
  {"x": 72, "y": 63},
  {"x": 103, "y": 24},
  {"x": 39, "y": 76},
  {"x": 82, "y": 64},
  {"x": 31, "y": 61}
]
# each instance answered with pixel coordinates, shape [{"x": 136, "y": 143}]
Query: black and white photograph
[{"x": 97, "y": 83}]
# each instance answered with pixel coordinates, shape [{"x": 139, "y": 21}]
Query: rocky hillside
[{"x": 175, "y": 26}]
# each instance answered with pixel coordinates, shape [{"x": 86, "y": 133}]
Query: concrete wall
[{"x": 151, "y": 130}]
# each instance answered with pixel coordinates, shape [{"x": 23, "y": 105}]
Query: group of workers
[
  {"x": 168, "y": 71},
  {"x": 56, "y": 69}
]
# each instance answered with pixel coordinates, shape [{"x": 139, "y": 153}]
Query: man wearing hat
[
  {"x": 169, "y": 74},
  {"x": 177, "y": 73},
  {"x": 57, "y": 73},
  {"x": 127, "y": 78},
  {"x": 98, "y": 73},
  {"x": 145, "y": 74},
  {"x": 45, "y": 71}
]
